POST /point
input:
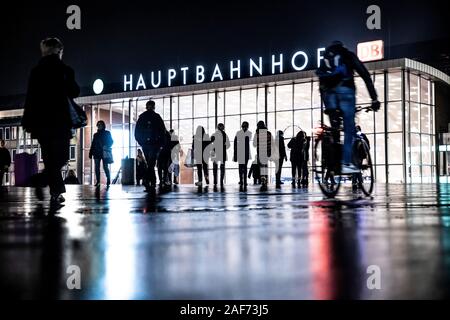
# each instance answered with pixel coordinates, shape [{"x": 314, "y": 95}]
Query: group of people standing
[{"x": 267, "y": 149}]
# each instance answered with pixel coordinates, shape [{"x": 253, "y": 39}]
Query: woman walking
[{"x": 101, "y": 152}]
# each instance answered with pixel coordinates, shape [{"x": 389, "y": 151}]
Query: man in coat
[
  {"x": 47, "y": 117},
  {"x": 150, "y": 133},
  {"x": 241, "y": 153}
]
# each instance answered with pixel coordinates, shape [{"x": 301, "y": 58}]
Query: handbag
[
  {"x": 189, "y": 163},
  {"x": 108, "y": 156},
  {"x": 77, "y": 115}
]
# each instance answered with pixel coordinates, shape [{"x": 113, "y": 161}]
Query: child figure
[{"x": 255, "y": 172}]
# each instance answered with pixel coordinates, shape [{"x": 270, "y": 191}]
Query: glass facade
[{"x": 401, "y": 134}]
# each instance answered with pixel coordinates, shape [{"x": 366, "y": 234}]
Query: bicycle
[{"x": 327, "y": 160}]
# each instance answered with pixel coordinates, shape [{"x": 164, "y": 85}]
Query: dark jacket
[
  {"x": 150, "y": 130},
  {"x": 281, "y": 148},
  {"x": 306, "y": 147},
  {"x": 5, "y": 158},
  {"x": 352, "y": 62},
  {"x": 365, "y": 139},
  {"x": 205, "y": 142},
  {"x": 262, "y": 142},
  {"x": 166, "y": 150},
  {"x": 296, "y": 146},
  {"x": 102, "y": 141},
  {"x": 242, "y": 140},
  {"x": 220, "y": 145},
  {"x": 50, "y": 86}
]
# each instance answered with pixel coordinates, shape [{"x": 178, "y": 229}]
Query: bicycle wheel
[
  {"x": 325, "y": 170},
  {"x": 365, "y": 178}
]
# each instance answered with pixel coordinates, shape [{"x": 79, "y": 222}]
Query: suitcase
[
  {"x": 128, "y": 172},
  {"x": 25, "y": 166}
]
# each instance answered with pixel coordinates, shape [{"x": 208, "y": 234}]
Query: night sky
[{"x": 134, "y": 36}]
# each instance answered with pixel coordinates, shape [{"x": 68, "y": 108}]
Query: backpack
[
  {"x": 333, "y": 69},
  {"x": 150, "y": 133}
]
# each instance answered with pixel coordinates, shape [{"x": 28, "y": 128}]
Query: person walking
[
  {"x": 263, "y": 142},
  {"x": 296, "y": 157},
  {"x": 5, "y": 161},
  {"x": 255, "y": 172},
  {"x": 101, "y": 152},
  {"x": 164, "y": 162},
  {"x": 176, "y": 152},
  {"x": 305, "y": 159},
  {"x": 150, "y": 133},
  {"x": 51, "y": 88},
  {"x": 357, "y": 177},
  {"x": 201, "y": 150},
  {"x": 282, "y": 156},
  {"x": 219, "y": 143},
  {"x": 141, "y": 167},
  {"x": 241, "y": 153}
]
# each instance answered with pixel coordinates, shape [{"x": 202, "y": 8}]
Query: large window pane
[
  {"x": 284, "y": 120},
  {"x": 362, "y": 95},
  {"x": 271, "y": 99},
  {"x": 426, "y": 150},
  {"x": 415, "y": 149},
  {"x": 302, "y": 95},
  {"x": 365, "y": 120},
  {"x": 414, "y": 117},
  {"x": 380, "y": 152},
  {"x": 396, "y": 174},
  {"x": 425, "y": 119},
  {"x": 248, "y": 103},
  {"x": 284, "y": 97},
  {"x": 186, "y": 130},
  {"x": 316, "y": 100},
  {"x": 425, "y": 91},
  {"x": 302, "y": 119},
  {"x": 200, "y": 105},
  {"x": 395, "y": 148},
  {"x": 185, "y": 107},
  {"x": 395, "y": 86},
  {"x": 232, "y": 103},
  {"x": 394, "y": 116},
  {"x": 414, "y": 88},
  {"x": 379, "y": 86}
]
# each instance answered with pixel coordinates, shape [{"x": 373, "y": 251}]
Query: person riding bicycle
[{"x": 337, "y": 87}]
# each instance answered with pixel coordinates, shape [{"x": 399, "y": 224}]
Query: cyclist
[{"x": 337, "y": 87}]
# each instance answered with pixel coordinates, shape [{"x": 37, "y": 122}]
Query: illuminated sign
[
  {"x": 237, "y": 69},
  {"x": 371, "y": 51}
]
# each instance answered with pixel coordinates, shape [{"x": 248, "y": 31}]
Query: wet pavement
[{"x": 288, "y": 244}]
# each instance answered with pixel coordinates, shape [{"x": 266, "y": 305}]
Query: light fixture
[{"x": 98, "y": 86}]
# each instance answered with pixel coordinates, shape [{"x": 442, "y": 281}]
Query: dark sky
[{"x": 138, "y": 36}]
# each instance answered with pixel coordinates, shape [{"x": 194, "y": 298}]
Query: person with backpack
[
  {"x": 150, "y": 133},
  {"x": 337, "y": 87},
  {"x": 101, "y": 152}
]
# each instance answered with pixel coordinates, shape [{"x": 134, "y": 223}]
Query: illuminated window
[
  {"x": 395, "y": 86},
  {"x": 284, "y": 97}
]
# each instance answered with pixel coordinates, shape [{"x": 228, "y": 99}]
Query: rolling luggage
[
  {"x": 25, "y": 166},
  {"x": 128, "y": 171}
]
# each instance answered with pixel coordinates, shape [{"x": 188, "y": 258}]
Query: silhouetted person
[
  {"x": 47, "y": 117},
  {"x": 296, "y": 145},
  {"x": 241, "y": 153},
  {"x": 220, "y": 144},
  {"x": 71, "y": 178},
  {"x": 263, "y": 142},
  {"x": 101, "y": 152},
  {"x": 200, "y": 143},
  {"x": 282, "y": 156},
  {"x": 176, "y": 152},
  {"x": 255, "y": 172},
  {"x": 5, "y": 160},
  {"x": 150, "y": 134},
  {"x": 305, "y": 171},
  {"x": 357, "y": 177},
  {"x": 141, "y": 167},
  {"x": 164, "y": 162}
]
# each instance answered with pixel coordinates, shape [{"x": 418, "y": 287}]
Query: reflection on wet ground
[{"x": 200, "y": 244}]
